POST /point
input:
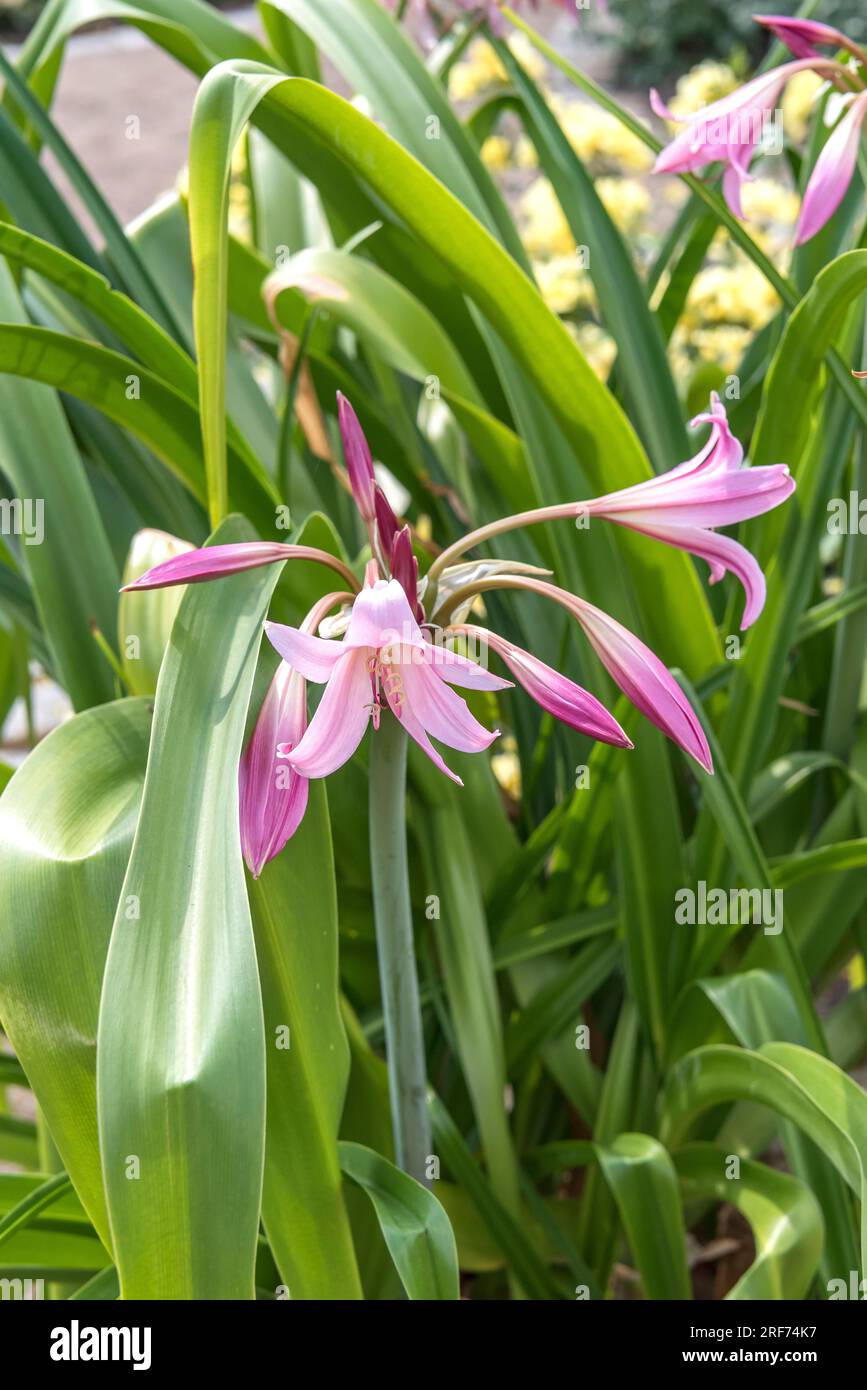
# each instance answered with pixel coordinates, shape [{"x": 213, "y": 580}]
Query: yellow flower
[
  {"x": 626, "y": 201},
  {"x": 737, "y": 294},
  {"x": 706, "y": 82},
  {"x": 597, "y": 346},
  {"x": 546, "y": 231},
  {"x": 497, "y": 152},
  {"x": 525, "y": 153},
  {"x": 797, "y": 103},
  {"x": 855, "y": 973},
  {"x": 766, "y": 200},
  {"x": 506, "y": 767},
  {"x": 564, "y": 285},
  {"x": 479, "y": 70},
  {"x": 598, "y": 138},
  {"x": 529, "y": 57}
]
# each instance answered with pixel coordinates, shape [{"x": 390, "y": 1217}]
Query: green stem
[{"x": 404, "y": 1041}]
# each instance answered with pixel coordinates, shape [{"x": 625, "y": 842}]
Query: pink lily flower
[
  {"x": 377, "y": 659},
  {"x": 712, "y": 489},
  {"x": 383, "y": 661},
  {"x": 803, "y": 35},
  {"x": 729, "y": 130},
  {"x": 832, "y": 172}
]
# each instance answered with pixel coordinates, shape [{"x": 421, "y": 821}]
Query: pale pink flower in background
[{"x": 832, "y": 172}]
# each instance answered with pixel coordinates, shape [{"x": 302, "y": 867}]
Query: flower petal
[
  {"x": 556, "y": 693},
  {"x": 382, "y": 617},
  {"x": 802, "y": 35},
  {"x": 211, "y": 562},
  {"x": 272, "y": 796},
  {"x": 721, "y": 553},
  {"x": 338, "y": 725},
  {"x": 460, "y": 670},
  {"x": 217, "y": 561},
  {"x": 442, "y": 713},
  {"x": 643, "y": 678},
  {"x": 832, "y": 172},
  {"x": 359, "y": 462},
  {"x": 314, "y": 657}
]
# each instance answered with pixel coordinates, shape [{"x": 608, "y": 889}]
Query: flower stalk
[{"x": 404, "y": 1040}]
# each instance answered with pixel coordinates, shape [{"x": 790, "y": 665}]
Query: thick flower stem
[{"x": 404, "y": 1040}]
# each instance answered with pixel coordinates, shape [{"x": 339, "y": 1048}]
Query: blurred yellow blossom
[
  {"x": 497, "y": 152},
  {"x": 546, "y": 231},
  {"x": 737, "y": 294},
  {"x": 597, "y": 346},
  {"x": 564, "y": 284},
  {"x": 598, "y": 138},
  {"x": 506, "y": 767},
  {"x": 525, "y": 153},
  {"x": 481, "y": 68},
  {"x": 706, "y": 82},
  {"x": 626, "y": 201},
  {"x": 798, "y": 98},
  {"x": 766, "y": 200}
]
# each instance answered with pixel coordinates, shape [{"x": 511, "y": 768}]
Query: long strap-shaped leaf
[
  {"x": 66, "y": 824},
  {"x": 42, "y": 464},
  {"x": 807, "y": 1089},
  {"x": 416, "y": 1229},
  {"x": 181, "y": 1053}
]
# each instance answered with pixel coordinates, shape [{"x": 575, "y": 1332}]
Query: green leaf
[
  {"x": 416, "y": 1229},
  {"x": 43, "y": 466},
  {"x": 798, "y": 1084},
  {"x": 162, "y": 417},
  {"x": 784, "y": 1216},
  {"x": 641, "y": 1175},
  {"x": 642, "y": 365},
  {"x": 67, "y": 820},
  {"x": 181, "y": 1051},
  {"x": 294, "y": 910}
]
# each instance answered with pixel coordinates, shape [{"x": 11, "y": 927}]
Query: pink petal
[
  {"x": 640, "y": 674},
  {"x": 387, "y": 524},
  {"x": 338, "y": 725},
  {"x": 728, "y": 129},
  {"x": 459, "y": 670},
  {"x": 659, "y": 108},
  {"x": 217, "y": 561},
  {"x": 832, "y": 172},
  {"x": 314, "y": 657},
  {"x": 721, "y": 553},
  {"x": 442, "y": 713},
  {"x": 359, "y": 462},
  {"x": 801, "y": 35},
  {"x": 564, "y": 699},
  {"x": 711, "y": 489},
  {"x": 382, "y": 617},
  {"x": 273, "y": 797},
  {"x": 211, "y": 562},
  {"x": 404, "y": 568},
  {"x": 403, "y": 711},
  {"x": 643, "y": 678},
  {"x": 720, "y": 500}
]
